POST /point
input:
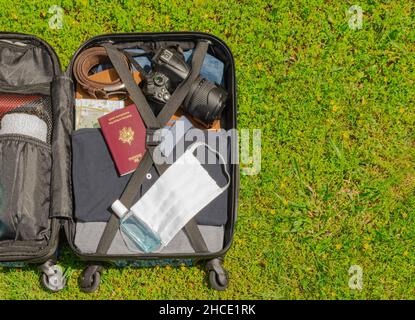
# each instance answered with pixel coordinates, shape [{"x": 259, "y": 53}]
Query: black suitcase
[{"x": 29, "y": 66}]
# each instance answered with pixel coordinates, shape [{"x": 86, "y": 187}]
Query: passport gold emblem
[{"x": 126, "y": 135}]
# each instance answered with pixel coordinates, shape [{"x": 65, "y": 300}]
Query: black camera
[
  {"x": 158, "y": 88},
  {"x": 205, "y": 100}
]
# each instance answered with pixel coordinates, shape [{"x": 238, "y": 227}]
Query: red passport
[{"x": 125, "y": 134}]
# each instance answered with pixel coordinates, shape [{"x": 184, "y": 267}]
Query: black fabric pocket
[
  {"x": 95, "y": 179},
  {"x": 25, "y": 174},
  {"x": 24, "y": 63}
]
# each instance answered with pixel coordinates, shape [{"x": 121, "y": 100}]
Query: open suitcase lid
[{"x": 29, "y": 67}]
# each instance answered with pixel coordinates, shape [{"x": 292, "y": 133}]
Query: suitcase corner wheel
[
  {"x": 90, "y": 278},
  {"x": 53, "y": 277},
  {"x": 218, "y": 276}
]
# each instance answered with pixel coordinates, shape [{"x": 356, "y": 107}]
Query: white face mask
[{"x": 183, "y": 190}]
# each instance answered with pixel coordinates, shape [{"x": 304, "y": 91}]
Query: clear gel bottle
[{"x": 132, "y": 226}]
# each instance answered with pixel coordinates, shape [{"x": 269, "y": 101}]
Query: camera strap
[
  {"x": 152, "y": 123},
  {"x": 136, "y": 65}
]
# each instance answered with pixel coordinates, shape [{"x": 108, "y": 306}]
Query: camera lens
[
  {"x": 205, "y": 100},
  {"x": 158, "y": 80}
]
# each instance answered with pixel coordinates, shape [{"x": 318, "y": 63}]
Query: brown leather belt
[{"x": 83, "y": 65}]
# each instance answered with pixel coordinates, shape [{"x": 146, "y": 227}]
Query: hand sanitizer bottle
[{"x": 138, "y": 231}]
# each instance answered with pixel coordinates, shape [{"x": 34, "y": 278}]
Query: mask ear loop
[{"x": 199, "y": 144}]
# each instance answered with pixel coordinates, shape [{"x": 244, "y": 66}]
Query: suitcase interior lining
[{"x": 121, "y": 245}]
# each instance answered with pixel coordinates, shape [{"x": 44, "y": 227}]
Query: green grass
[{"x": 335, "y": 106}]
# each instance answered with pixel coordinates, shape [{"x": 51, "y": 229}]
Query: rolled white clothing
[{"x": 24, "y": 124}]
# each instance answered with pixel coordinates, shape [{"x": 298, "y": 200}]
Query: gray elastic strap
[
  {"x": 127, "y": 198},
  {"x": 195, "y": 236},
  {"x": 135, "y": 92}
]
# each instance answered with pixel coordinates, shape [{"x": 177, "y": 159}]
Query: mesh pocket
[
  {"x": 25, "y": 175},
  {"x": 30, "y": 105}
]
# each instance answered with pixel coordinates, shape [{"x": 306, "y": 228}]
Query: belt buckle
[{"x": 114, "y": 90}]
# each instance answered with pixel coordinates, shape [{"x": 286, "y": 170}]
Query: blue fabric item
[
  {"x": 212, "y": 68},
  {"x": 101, "y": 67},
  {"x": 143, "y": 61}
]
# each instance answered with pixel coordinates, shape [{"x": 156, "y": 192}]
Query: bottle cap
[{"x": 119, "y": 209}]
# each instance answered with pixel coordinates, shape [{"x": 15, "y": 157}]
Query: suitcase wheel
[
  {"x": 53, "y": 278},
  {"x": 90, "y": 278},
  {"x": 218, "y": 277}
]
